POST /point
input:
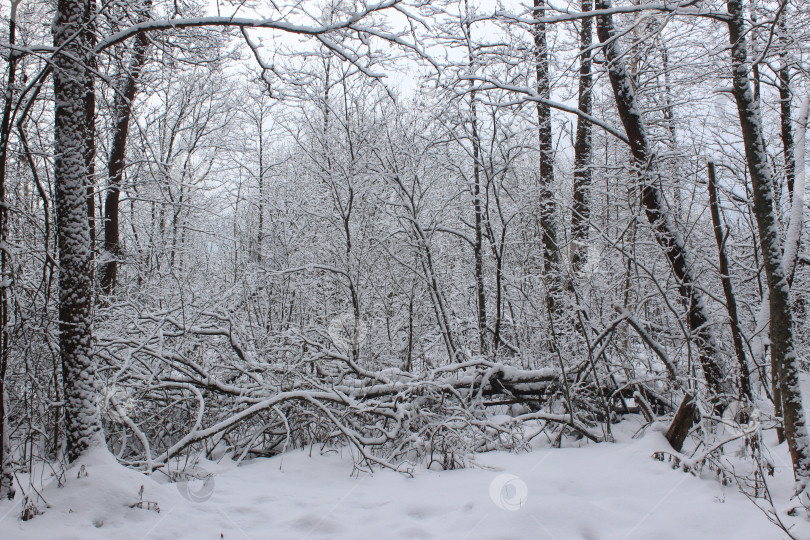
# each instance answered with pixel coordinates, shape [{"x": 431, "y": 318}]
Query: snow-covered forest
[{"x": 415, "y": 268}]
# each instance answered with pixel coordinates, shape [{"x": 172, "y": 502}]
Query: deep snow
[{"x": 605, "y": 491}]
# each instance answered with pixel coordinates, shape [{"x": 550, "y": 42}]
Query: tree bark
[
  {"x": 787, "y": 123},
  {"x": 728, "y": 290},
  {"x": 115, "y": 168},
  {"x": 260, "y": 228},
  {"x": 784, "y": 362},
  {"x": 6, "y": 474},
  {"x": 89, "y": 31},
  {"x": 478, "y": 242},
  {"x": 683, "y": 422},
  {"x": 70, "y": 76},
  {"x": 551, "y": 257},
  {"x": 581, "y": 213},
  {"x": 664, "y": 230}
]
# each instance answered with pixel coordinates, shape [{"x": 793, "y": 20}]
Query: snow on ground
[{"x": 606, "y": 491}]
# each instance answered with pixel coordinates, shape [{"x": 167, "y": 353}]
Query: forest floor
[{"x": 604, "y": 491}]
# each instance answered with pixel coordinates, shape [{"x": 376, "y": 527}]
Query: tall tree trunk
[
  {"x": 784, "y": 362},
  {"x": 6, "y": 474},
  {"x": 497, "y": 246},
  {"x": 728, "y": 290},
  {"x": 784, "y": 105},
  {"x": 551, "y": 257},
  {"x": 115, "y": 168},
  {"x": 70, "y": 76},
  {"x": 664, "y": 230},
  {"x": 478, "y": 241},
  {"x": 581, "y": 212},
  {"x": 90, "y": 123},
  {"x": 669, "y": 117},
  {"x": 752, "y": 7},
  {"x": 260, "y": 228}
]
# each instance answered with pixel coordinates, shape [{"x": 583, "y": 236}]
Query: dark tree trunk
[
  {"x": 478, "y": 242},
  {"x": 478, "y": 211},
  {"x": 784, "y": 362},
  {"x": 728, "y": 290},
  {"x": 115, "y": 168},
  {"x": 90, "y": 123},
  {"x": 260, "y": 228},
  {"x": 682, "y": 423},
  {"x": 497, "y": 246},
  {"x": 664, "y": 230},
  {"x": 551, "y": 257},
  {"x": 581, "y": 212},
  {"x": 83, "y": 426},
  {"x": 784, "y": 105}
]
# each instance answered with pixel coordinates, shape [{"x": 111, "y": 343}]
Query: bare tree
[
  {"x": 124, "y": 98},
  {"x": 784, "y": 362},
  {"x": 665, "y": 234}
]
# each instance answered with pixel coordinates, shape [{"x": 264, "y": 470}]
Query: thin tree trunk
[
  {"x": 409, "y": 351},
  {"x": 90, "y": 124},
  {"x": 436, "y": 294},
  {"x": 260, "y": 228},
  {"x": 496, "y": 334},
  {"x": 478, "y": 246},
  {"x": 663, "y": 228},
  {"x": 497, "y": 247},
  {"x": 752, "y": 6},
  {"x": 669, "y": 117},
  {"x": 115, "y": 168},
  {"x": 784, "y": 105},
  {"x": 551, "y": 266},
  {"x": 784, "y": 362},
  {"x": 728, "y": 290},
  {"x": 581, "y": 212},
  {"x": 83, "y": 426}
]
